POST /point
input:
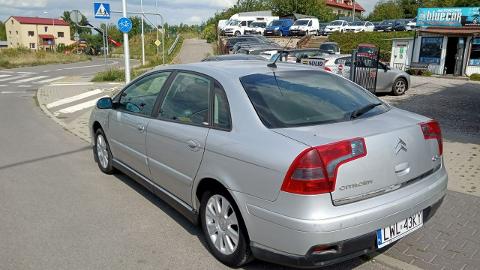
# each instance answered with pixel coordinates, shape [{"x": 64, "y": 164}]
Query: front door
[
  {"x": 459, "y": 57},
  {"x": 129, "y": 121},
  {"x": 176, "y": 140}
]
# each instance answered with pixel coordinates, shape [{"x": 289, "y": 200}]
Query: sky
[{"x": 174, "y": 11}]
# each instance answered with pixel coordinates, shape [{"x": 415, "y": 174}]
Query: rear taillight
[
  {"x": 431, "y": 130},
  {"x": 314, "y": 171},
  {"x": 328, "y": 69}
]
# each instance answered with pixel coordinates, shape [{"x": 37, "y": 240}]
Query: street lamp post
[{"x": 126, "y": 49}]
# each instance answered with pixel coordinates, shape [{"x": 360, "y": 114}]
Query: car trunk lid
[{"x": 397, "y": 153}]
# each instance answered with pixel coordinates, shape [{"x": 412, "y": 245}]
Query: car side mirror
[{"x": 105, "y": 103}]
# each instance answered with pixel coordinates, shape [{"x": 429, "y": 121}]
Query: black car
[
  {"x": 230, "y": 57},
  {"x": 234, "y": 40},
  {"x": 385, "y": 26},
  {"x": 400, "y": 25}
]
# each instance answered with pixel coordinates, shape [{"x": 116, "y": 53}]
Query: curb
[
  {"x": 55, "y": 119},
  {"x": 393, "y": 263}
]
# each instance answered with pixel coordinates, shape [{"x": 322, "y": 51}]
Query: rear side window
[
  {"x": 306, "y": 97},
  {"x": 221, "y": 112}
]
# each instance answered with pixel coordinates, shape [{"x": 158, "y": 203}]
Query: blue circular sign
[{"x": 124, "y": 25}]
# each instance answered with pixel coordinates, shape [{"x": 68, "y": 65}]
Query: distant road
[{"x": 193, "y": 50}]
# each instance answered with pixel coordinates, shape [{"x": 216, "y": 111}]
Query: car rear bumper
[
  {"x": 338, "y": 252},
  {"x": 298, "y": 32},
  {"x": 272, "y": 32},
  {"x": 293, "y": 224}
]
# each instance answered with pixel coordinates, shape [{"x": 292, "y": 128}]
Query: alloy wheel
[
  {"x": 222, "y": 224},
  {"x": 102, "y": 151}
]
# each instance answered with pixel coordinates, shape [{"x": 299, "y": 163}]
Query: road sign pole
[
  {"x": 106, "y": 37},
  {"x": 105, "y": 47},
  {"x": 143, "y": 36},
  {"x": 126, "y": 49}
]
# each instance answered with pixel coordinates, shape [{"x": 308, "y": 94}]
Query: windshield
[
  {"x": 357, "y": 23},
  {"x": 233, "y": 22},
  {"x": 306, "y": 97},
  {"x": 258, "y": 24},
  {"x": 301, "y": 22},
  {"x": 336, "y": 23},
  {"x": 276, "y": 23},
  {"x": 328, "y": 47}
]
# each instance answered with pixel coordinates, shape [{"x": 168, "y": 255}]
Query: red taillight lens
[
  {"x": 328, "y": 69},
  {"x": 314, "y": 171},
  {"x": 431, "y": 130}
]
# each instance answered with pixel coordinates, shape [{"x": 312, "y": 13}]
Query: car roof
[{"x": 235, "y": 68}]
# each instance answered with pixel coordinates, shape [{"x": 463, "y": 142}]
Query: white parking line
[
  {"x": 25, "y": 85},
  {"x": 74, "y": 98},
  {"x": 30, "y": 79},
  {"x": 3, "y": 85},
  {"x": 78, "y": 107},
  {"x": 51, "y": 80},
  {"x": 11, "y": 78},
  {"x": 5, "y": 75}
]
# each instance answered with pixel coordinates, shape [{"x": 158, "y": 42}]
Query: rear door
[
  {"x": 176, "y": 139},
  {"x": 129, "y": 120}
]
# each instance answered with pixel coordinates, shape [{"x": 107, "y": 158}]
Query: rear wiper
[{"x": 359, "y": 112}]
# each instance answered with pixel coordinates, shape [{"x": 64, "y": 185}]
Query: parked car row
[{"x": 312, "y": 26}]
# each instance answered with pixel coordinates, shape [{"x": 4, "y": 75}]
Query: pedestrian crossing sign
[{"x": 101, "y": 10}]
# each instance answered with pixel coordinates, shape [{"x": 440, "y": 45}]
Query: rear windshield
[{"x": 306, "y": 97}]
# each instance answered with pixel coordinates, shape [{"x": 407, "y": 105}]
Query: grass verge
[
  {"x": 23, "y": 57},
  {"x": 118, "y": 75}
]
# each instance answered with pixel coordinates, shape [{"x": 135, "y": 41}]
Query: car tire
[
  {"x": 399, "y": 87},
  {"x": 226, "y": 227},
  {"x": 237, "y": 33},
  {"x": 101, "y": 151}
]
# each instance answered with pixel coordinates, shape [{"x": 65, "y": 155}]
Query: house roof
[
  {"x": 38, "y": 20},
  {"x": 343, "y": 5}
]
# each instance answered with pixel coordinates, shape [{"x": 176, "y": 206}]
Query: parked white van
[
  {"x": 336, "y": 26},
  {"x": 238, "y": 23},
  {"x": 306, "y": 26},
  {"x": 256, "y": 28}
]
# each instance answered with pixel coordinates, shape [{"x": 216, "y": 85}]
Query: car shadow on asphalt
[{"x": 196, "y": 230}]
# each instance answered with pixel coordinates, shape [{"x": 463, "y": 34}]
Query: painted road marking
[
  {"x": 31, "y": 79},
  {"x": 11, "y": 78},
  {"x": 51, "y": 80},
  {"x": 3, "y": 85},
  {"x": 26, "y": 72},
  {"x": 74, "y": 98},
  {"x": 5, "y": 75},
  {"x": 79, "y": 107},
  {"x": 24, "y": 85}
]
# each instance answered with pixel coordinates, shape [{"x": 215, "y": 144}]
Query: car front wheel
[
  {"x": 399, "y": 87},
  {"x": 102, "y": 152},
  {"x": 223, "y": 228}
]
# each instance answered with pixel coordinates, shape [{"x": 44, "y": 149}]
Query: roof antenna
[{"x": 279, "y": 55}]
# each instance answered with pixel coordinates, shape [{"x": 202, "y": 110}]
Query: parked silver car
[{"x": 286, "y": 163}]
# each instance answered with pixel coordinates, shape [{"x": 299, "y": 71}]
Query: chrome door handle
[
  {"x": 193, "y": 145},
  {"x": 141, "y": 128}
]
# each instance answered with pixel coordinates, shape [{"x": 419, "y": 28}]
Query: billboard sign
[{"x": 449, "y": 17}]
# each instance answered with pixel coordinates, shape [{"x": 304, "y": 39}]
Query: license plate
[{"x": 398, "y": 230}]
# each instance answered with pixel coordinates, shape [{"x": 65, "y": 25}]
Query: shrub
[
  {"x": 111, "y": 75},
  {"x": 383, "y": 40},
  {"x": 418, "y": 72},
  {"x": 475, "y": 77},
  {"x": 210, "y": 33}
]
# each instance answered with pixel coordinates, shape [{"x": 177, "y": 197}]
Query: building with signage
[
  {"x": 447, "y": 39},
  {"x": 36, "y": 33}
]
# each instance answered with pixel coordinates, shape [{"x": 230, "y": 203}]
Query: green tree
[
  {"x": 137, "y": 26},
  {"x": 315, "y": 8},
  {"x": 3, "y": 32},
  {"x": 74, "y": 28},
  {"x": 467, "y": 3},
  {"x": 385, "y": 10}
]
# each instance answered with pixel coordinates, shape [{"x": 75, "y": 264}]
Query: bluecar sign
[{"x": 449, "y": 17}]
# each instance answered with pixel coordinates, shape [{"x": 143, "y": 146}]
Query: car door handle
[
  {"x": 193, "y": 145},
  {"x": 141, "y": 127}
]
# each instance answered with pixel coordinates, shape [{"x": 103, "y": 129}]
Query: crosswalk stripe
[
  {"x": 73, "y": 98},
  {"x": 79, "y": 107},
  {"x": 5, "y": 75},
  {"x": 11, "y": 78},
  {"x": 51, "y": 79},
  {"x": 30, "y": 79}
]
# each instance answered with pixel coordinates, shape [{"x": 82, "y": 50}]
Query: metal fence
[
  {"x": 170, "y": 50},
  {"x": 364, "y": 70}
]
